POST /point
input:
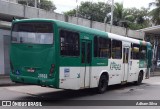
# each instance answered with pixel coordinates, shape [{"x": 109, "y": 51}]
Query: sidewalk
[
  {"x": 5, "y": 81},
  {"x": 155, "y": 73}
]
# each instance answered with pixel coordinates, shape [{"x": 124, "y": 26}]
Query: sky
[{"x": 66, "y": 5}]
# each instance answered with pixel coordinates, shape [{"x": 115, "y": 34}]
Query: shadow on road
[{"x": 73, "y": 94}]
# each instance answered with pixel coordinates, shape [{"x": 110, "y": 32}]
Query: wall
[
  {"x": 4, "y": 52},
  {"x": 6, "y": 39},
  {"x": 22, "y": 11}
]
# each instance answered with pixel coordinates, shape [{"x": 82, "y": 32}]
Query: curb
[
  {"x": 6, "y": 81},
  {"x": 11, "y": 84},
  {"x": 4, "y": 76}
]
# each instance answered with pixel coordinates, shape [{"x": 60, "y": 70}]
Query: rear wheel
[
  {"x": 103, "y": 84},
  {"x": 140, "y": 78}
]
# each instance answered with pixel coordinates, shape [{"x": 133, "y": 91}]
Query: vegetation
[
  {"x": 132, "y": 18},
  {"x": 91, "y": 11},
  {"x": 44, "y": 4},
  {"x": 155, "y": 13}
]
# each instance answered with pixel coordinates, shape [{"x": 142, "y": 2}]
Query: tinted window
[
  {"x": 102, "y": 47},
  {"x": 135, "y": 51},
  {"x": 69, "y": 43},
  {"x": 116, "y": 49},
  {"x": 35, "y": 32},
  {"x": 142, "y": 52}
]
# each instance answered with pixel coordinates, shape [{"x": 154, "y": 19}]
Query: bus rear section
[{"x": 32, "y": 53}]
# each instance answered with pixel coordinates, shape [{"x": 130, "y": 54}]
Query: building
[{"x": 152, "y": 34}]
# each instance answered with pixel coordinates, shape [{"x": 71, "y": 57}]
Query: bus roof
[
  {"x": 88, "y": 30},
  {"x": 128, "y": 39}
]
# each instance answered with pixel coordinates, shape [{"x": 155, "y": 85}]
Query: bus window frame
[
  {"x": 132, "y": 51},
  {"x": 53, "y": 31},
  {"x": 98, "y": 36},
  {"x": 79, "y": 45},
  {"x": 120, "y": 50},
  {"x": 140, "y": 50}
]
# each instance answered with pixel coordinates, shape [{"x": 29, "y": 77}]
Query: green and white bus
[{"x": 57, "y": 54}]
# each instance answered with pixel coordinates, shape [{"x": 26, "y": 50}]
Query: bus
[{"x": 52, "y": 53}]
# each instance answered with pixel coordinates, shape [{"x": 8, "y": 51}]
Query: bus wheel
[
  {"x": 140, "y": 78},
  {"x": 103, "y": 84}
]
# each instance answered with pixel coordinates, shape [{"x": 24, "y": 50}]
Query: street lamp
[
  {"x": 77, "y": 8},
  {"x": 112, "y": 9}
]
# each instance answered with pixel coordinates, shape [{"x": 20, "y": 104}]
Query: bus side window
[
  {"x": 116, "y": 49},
  {"x": 69, "y": 43},
  {"x": 143, "y": 51},
  {"x": 102, "y": 47},
  {"x": 135, "y": 52}
]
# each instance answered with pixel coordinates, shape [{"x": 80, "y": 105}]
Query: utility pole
[
  {"x": 35, "y": 3},
  {"x": 77, "y": 8},
  {"x": 112, "y": 9}
]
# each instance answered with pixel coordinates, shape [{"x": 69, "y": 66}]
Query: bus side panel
[
  {"x": 96, "y": 73},
  {"x": 133, "y": 70},
  {"x": 70, "y": 77},
  {"x": 115, "y": 71}
]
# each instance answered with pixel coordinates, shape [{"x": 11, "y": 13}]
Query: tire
[
  {"x": 103, "y": 84},
  {"x": 140, "y": 78}
]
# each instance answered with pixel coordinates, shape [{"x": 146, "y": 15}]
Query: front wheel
[{"x": 103, "y": 84}]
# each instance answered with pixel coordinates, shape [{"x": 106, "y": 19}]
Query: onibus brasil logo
[{"x": 20, "y": 103}]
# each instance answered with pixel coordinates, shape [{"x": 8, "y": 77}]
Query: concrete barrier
[
  {"x": 84, "y": 22},
  {"x": 4, "y": 53},
  {"x": 13, "y": 9},
  {"x": 118, "y": 30},
  {"x": 98, "y": 25},
  {"x": 73, "y": 20},
  {"x": 136, "y": 34}
]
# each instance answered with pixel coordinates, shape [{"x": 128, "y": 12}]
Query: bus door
[
  {"x": 126, "y": 62},
  {"x": 86, "y": 56}
]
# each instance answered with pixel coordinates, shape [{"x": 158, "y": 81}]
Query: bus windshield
[{"x": 34, "y": 33}]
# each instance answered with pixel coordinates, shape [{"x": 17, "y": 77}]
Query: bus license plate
[{"x": 31, "y": 70}]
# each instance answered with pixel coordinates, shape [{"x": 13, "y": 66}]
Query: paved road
[{"x": 149, "y": 90}]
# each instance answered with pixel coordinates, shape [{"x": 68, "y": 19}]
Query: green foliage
[
  {"x": 155, "y": 13},
  {"x": 71, "y": 13},
  {"x": 132, "y": 18},
  {"x": 91, "y": 11},
  {"x": 47, "y": 5},
  {"x": 44, "y": 4}
]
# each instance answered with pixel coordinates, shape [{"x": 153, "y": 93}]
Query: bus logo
[
  {"x": 115, "y": 66},
  {"x": 66, "y": 72},
  {"x": 6, "y": 103},
  {"x": 17, "y": 72},
  {"x": 31, "y": 70}
]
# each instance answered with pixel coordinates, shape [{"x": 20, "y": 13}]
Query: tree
[
  {"x": 155, "y": 13},
  {"x": 121, "y": 17},
  {"x": 132, "y": 18},
  {"x": 44, "y": 4},
  {"x": 47, "y": 5},
  {"x": 140, "y": 20},
  {"x": 91, "y": 11},
  {"x": 118, "y": 12}
]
